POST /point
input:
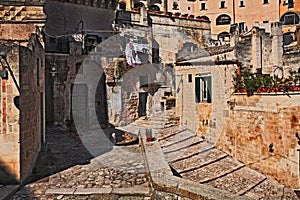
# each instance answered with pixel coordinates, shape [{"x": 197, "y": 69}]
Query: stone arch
[{"x": 290, "y": 18}]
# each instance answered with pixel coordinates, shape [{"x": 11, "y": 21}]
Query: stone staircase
[{"x": 195, "y": 159}]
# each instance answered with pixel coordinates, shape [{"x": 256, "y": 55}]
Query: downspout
[{"x": 233, "y": 10}]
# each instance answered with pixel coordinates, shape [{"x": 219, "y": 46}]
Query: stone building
[
  {"x": 289, "y": 17},
  {"x": 22, "y": 110},
  {"x": 259, "y": 128},
  {"x": 72, "y": 33}
]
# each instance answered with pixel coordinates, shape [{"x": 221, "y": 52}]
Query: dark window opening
[
  {"x": 223, "y": 4},
  {"x": 190, "y": 78},
  {"x": 189, "y": 8},
  {"x": 203, "y": 89},
  {"x": 242, "y": 3},
  {"x": 175, "y": 5},
  {"x": 223, "y": 19},
  {"x": 290, "y": 3},
  {"x": 203, "y": 6},
  {"x": 265, "y": 1}
]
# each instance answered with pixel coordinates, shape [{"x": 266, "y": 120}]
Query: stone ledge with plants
[{"x": 245, "y": 81}]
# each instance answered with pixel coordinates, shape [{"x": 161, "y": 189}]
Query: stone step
[
  {"x": 213, "y": 171},
  {"x": 188, "y": 151},
  {"x": 239, "y": 182},
  {"x": 185, "y": 140},
  {"x": 270, "y": 190},
  {"x": 198, "y": 160},
  {"x": 167, "y": 139}
]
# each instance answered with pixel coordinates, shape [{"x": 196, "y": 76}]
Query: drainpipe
[{"x": 233, "y": 10}]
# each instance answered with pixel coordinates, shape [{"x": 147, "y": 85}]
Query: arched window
[
  {"x": 223, "y": 19},
  {"x": 154, "y": 8},
  {"x": 290, "y": 18},
  {"x": 224, "y": 36}
]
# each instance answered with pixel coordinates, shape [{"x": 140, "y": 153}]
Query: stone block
[
  {"x": 67, "y": 191},
  {"x": 88, "y": 191}
]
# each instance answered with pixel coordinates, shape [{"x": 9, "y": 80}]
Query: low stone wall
[{"x": 260, "y": 131}]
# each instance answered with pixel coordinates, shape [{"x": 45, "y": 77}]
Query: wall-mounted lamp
[
  {"x": 4, "y": 73},
  {"x": 53, "y": 71}
]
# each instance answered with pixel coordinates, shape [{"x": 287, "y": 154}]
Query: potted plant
[
  {"x": 263, "y": 82},
  {"x": 275, "y": 83}
]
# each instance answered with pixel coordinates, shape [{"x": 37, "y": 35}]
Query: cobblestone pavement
[{"x": 67, "y": 170}]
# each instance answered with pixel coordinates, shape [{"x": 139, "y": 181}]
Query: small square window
[
  {"x": 223, "y": 4},
  {"x": 265, "y": 1},
  {"x": 242, "y": 3},
  {"x": 189, "y": 8},
  {"x": 290, "y": 3},
  {"x": 190, "y": 78},
  {"x": 203, "y": 6}
]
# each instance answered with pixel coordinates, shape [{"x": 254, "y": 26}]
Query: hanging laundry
[{"x": 136, "y": 53}]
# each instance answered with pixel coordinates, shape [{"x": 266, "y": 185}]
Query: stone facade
[
  {"x": 22, "y": 130},
  {"x": 259, "y": 130}
]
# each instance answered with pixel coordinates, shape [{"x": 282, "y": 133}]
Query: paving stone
[
  {"x": 61, "y": 191},
  {"x": 85, "y": 191}
]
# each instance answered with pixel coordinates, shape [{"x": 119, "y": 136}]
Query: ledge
[{"x": 162, "y": 178}]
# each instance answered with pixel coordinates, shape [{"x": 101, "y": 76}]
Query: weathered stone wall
[
  {"x": 193, "y": 114},
  {"x": 253, "y": 124},
  {"x": 169, "y": 33},
  {"x": 22, "y": 130},
  {"x": 10, "y": 123},
  {"x": 32, "y": 68},
  {"x": 263, "y": 49}
]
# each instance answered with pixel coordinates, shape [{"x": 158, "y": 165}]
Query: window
[
  {"x": 223, "y": 4},
  {"x": 242, "y": 3},
  {"x": 203, "y": 89},
  {"x": 242, "y": 27},
  {"x": 190, "y": 78},
  {"x": 203, "y": 6},
  {"x": 290, "y": 18},
  {"x": 175, "y": 5},
  {"x": 189, "y": 8},
  {"x": 290, "y": 3},
  {"x": 223, "y": 19},
  {"x": 266, "y": 21},
  {"x": 265, "y": 1}
]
